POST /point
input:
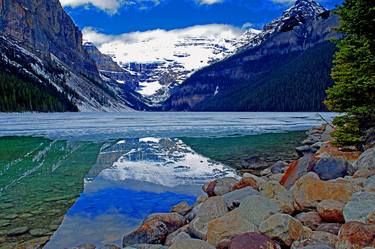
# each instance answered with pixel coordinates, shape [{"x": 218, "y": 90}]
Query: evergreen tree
[{"x": 354, "y": 72}]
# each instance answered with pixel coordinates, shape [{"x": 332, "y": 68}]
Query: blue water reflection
[{"x": 132, "y": 179}]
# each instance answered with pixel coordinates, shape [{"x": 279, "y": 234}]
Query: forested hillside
[
  {"x": 18, "y": 94},
  {"x": 307, "y": 76}
]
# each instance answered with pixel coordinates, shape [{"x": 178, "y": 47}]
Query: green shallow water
[
  {"x": 39, "y": 181},
  {"x": 271, "y": 147}
]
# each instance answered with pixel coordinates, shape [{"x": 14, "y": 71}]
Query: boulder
[
  {"x": 252, "y": 241},
  {"x": 245, "y": 182},
  {"x": 224, "y": 185},
  {"x": 146, "y": 246},
  {"x": 275, "y": 191},
  {"x": 173, "y": 221},
  {"x": 366, "y": 160},
  {"x": 209, "y": 188},
  {"x": 309, "y": 219},
  {"x": 282, "y": 227},
  {"x": 153, "y": 232},
  {"x": 174, "y": 237},
  {"x": 371, "y": 218},
  {"x": 212, "y": 208},
  {"x": 296, "y": 170},
  {"x": 359, "y": 207},
  {"x": 324, "y": 238},
  {"x": 228, "y": 226},
  {"x": 303, "y": 150},
  {"x": 329, "y": 168},
  {"x": 331, "y": 211},
  {"x": 191, "y": 244},
  {"x": 257, "y": 208},
  {"x": 333, "y": 228},
  {"x": 355, "y": 235},
  {"x": 233, "y": 199},
  {"x": 313, "y": 245},
  {"x": 364, "y": 173},
  {"x": 310, "y": 190},
  {"x": 315, "y": 240},
  {"x": 182, "y": 208},
  {"x": 279, "y": 167}
]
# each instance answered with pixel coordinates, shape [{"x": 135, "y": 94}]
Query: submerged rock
[
  {"x": 254, "y": 164},
  {"x": 333, "y": 228},
  {"x": 17, "y": 231}
]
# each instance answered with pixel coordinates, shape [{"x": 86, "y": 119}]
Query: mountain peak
[{"x": 301, "y": 12}]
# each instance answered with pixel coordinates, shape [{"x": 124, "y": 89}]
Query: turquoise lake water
[{"x": 70, "y": 179}]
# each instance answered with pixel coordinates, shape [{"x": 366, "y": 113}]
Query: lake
[{"x": 73, "y": 178}]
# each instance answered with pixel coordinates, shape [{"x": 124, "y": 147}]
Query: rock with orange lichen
[
  {"x": 275, "y": 191},
  {"x": 355, "y": 235},
  {"x": 331, "y": 211},
  {"x": 245, "y": 182},
  {"x": 155, "y": 229},
  {"x": 296, "y": 170},
  {"x": 153, "y": 232},
  {"x": 310, "y": 190},
  {"x": 335, "y": 152},
  {"x": 228, "y": 226}
]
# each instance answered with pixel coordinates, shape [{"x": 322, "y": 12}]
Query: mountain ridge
[{"x": 269, "y": 51}]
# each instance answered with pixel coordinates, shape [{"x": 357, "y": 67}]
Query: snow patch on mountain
[{"x": 159, "y": 60}]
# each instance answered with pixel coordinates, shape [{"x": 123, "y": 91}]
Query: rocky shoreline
[{"x": 323, "y": 200}]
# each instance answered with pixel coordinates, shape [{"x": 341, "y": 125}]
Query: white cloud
[
  {"x": 209, "y": 2},
  {"x": 181, "y": 50},
  {"x": 111, "y": 6},
  {"x": 284, "y": 1}
]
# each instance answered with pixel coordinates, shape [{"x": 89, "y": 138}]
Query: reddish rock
[
  {"x": 310, "y": 219},
  {"x": 333, "y": 228},
  {"x": 209, "y": 188},
  {"x": 252, "y": 241},
  {"x": 296, "y": 170},
  {"x": 153, "y": 232},
  {"x": 355, "y": 235},
  {"x": 173, "y": 221},
  {"x": 337, "y": 153},
  {"x": 331, "y": 211},
  {"x": 246, "y": 182},
  {"x": 310, "y": 190}
]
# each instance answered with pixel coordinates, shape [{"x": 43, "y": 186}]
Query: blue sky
[{"x": 123, "y": 16}]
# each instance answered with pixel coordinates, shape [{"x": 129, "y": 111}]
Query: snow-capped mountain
[
  {"x": 157, "y": 61},
  {"x": 265, "y": 75}
]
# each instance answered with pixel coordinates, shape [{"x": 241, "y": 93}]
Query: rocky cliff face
[
  {"x": 41, "y": 42},
  {"x": 282, "y": 42},
  {"x": 43, "y": 27}
]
